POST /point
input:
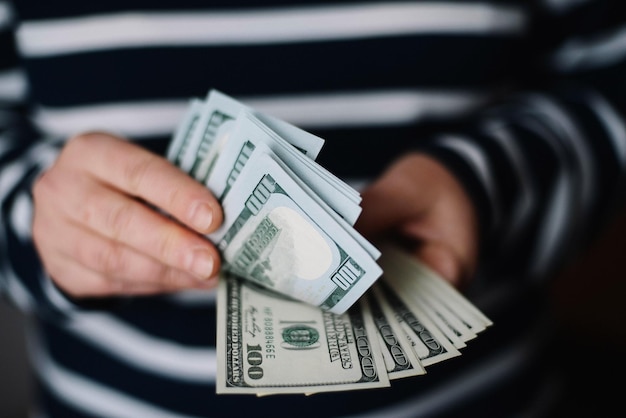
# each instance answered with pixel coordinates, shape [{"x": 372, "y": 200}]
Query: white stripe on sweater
[
  {"x": 40, "y": 157},
  {"x": 567, "y": 199},
  {"x": 140, "y": 350},
  {"x": 592, "y": 52},
  {"x": 12, "y": 85},
  {"x": 526, "y": 200},
  {"x": 89, "y": 396},
  {"x": 475, "y": 157},
  {"x": 242, "y": 27},
  {"x": 140, "y": 119},
  {"x": 6, "y": 15},
  {"x": 614, "y": 125},
  {"x": 554, "y": 232},
  {"x": 22, "y": 216},
  {"x": 13, "y": 286},
  {"x": 569, "y": 143}
]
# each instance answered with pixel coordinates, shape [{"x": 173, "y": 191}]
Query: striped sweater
[{"x": 524, "y": 100}]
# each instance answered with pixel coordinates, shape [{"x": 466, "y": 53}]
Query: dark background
[{"x": 589, "y": 300}]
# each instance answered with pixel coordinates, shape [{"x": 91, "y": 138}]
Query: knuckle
[
  {"x": 154, "y": 272},
  {"x": 78, "y": 144},
  {"x": 136, "y": 173},
  {"x": 166, "y": 277},
  {"x": 88, "y": 209},
  {"x": 169, "y": 246},
  {"x": 177, "y": 198},
  {"x": 110, "y": 260},
  {"x": 116, "y": 220},
  {"x": 45, "y": 186},
  {"x": 172, "y": 278}
]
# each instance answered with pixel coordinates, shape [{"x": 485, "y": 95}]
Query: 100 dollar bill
[
  {"x": 268, "y": 344},
  {"x": 278, "y": 236},
  {"x": 245, "y": 134},
  {"x": 205, "y": 121}
]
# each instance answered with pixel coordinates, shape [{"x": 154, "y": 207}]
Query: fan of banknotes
[{"x": 303, "y": 303}]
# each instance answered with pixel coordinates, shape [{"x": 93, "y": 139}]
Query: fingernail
[
  {"x": 202, "y": 216},
  {"x": 201, "y": 264}
]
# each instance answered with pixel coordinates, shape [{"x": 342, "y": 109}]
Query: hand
[
  {"x": 97, "y": 232},
  {"x": 418, "y": 201}
]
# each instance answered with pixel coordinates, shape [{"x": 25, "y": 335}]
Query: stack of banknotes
[{"x": 303, "y": 303}]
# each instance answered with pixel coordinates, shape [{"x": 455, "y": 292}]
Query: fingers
[
  {"x": 125, "y": 220},
  {"x": 443, "y": 260},
  {"x": 137, "y": 172},
  {"x": 90, "y": 283},
  {"x": 446, "y": 239},
  {"x": 385, "y": 206},
  {"x": 86, "y": 264},
  {"x": 419, "y": 202}
]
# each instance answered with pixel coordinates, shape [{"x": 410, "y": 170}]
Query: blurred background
[
  {"x": 589, "y": 299},
  {"x": 15, "y": 379}
]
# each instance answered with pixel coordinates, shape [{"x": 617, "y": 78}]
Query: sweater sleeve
[
  {"x": 24, "y": 154},
  {"x": 545, "y": 163}
]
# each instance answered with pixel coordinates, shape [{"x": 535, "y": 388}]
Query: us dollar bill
[
  {"x": 214, "y": 116},
  {"x": 276, "y": 235},
  {"x": 245, "y": 135},
  {"x": 424, "y": 282},
  {"x": 429, "y": 343},
  {"x": 268, "y": 344},
  {"x": 208, "y": 120},
  {"x": 179, "y": 144},
  {"x": 400, "y": 358}
]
